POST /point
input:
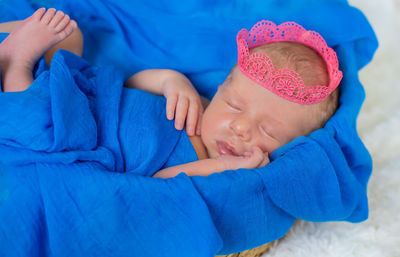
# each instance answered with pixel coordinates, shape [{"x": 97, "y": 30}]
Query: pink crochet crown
[{"x": 285, "y": 83}]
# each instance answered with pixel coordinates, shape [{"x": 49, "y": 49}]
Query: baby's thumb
[
  {"x": 265, "y": 161},
  {"x": 256, "y": 151}
]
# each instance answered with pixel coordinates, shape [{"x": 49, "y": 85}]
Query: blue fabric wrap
[{"x": 58, "y": 194}]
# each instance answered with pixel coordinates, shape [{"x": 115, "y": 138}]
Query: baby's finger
[
  {"x": 265, "y": 161},
  {"x": 181, "y": 112},
  {"x": 191, "y": 120},
  {"x": 171, "y": 105},
  {"x": 257, "y": 154},
  {"x": 257, "y": 151},
  {"x": 247, "y": 154},
  {"x": 198, "y": 128}
]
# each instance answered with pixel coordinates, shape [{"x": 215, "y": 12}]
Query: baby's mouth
[{"x": 225, "y": 149}]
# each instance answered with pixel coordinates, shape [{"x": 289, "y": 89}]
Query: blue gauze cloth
[{"x": 67, "y": 198}]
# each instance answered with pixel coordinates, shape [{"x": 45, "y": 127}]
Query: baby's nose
[{"x": 241, "y": 128}]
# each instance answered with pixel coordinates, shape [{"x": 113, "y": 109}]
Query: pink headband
[{"x": 285, "y": 83}]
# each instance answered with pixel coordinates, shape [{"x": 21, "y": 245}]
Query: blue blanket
[{"x": 62, "y": 191}]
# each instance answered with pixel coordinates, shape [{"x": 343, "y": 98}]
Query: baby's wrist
[
  {"x": 165, "y": 83},
  {"x": 222, "y": 164}
]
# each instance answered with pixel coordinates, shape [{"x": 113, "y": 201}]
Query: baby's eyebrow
[
  {"x": 234, "y": 94},
  {"x": 269, "y": 122}
]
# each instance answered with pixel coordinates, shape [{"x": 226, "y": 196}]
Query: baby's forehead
[{"x": 242, "y": 89}]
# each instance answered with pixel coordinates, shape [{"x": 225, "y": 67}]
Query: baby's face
[{"x": 243, "y": 114}]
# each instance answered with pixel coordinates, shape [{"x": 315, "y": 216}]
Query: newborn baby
[{"x": 282, "y": 88}]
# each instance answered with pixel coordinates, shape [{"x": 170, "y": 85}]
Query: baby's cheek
[
  {"x": 269, "y": 145},
  {"x": 207, "y": 143}
]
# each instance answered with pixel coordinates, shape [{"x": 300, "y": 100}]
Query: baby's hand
[
  {"x": 184, "y": 103},
  {"x": 250, "y": 160}
]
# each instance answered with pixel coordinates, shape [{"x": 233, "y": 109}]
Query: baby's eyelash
[
  {"x": 233, "y": 105},
  {"x": 266, "y": 133},
  {"x": 263, "y": 131}
]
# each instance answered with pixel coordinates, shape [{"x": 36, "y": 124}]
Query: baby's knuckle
[
  {"x": 171, "y": 96},
  {"x": 195, "y": 107},
  {"x": 192, "y": 99}
]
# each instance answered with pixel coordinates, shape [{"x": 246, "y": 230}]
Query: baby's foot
[
  {"x": 28, "y": 42},
  {"x": 37, "y": 34}
]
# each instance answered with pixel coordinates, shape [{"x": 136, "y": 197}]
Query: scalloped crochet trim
[{"x": 285, "y": 82}]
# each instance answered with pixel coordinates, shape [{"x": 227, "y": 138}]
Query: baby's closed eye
[
  {"x": 233, "y": 106},
  {"x": 266, "y": 131}
]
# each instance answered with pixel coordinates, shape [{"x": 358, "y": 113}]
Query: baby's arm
[
  {"x": 197, "y": 168},
  {"x": 250, "y": 160},
  {"x": 183, "y": 101},
  {"x": 152, "y": 80}
]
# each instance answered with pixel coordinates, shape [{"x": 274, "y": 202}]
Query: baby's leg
[
  {"x": 73, "y": 43},
  {"x": 8, "y": 27},
  {"x": 27, "y": 43}
]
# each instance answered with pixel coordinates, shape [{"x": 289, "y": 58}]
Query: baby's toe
[
  {"x": 56, "y": 19},
  {"x": 48, "y": 16},
  {"x": 71, "y": 26},
  {"x": 38, "y": 14},
  {"x": 63, "y": 23}
]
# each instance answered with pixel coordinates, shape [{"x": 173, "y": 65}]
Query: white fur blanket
[{"x": 379, "y": 128}]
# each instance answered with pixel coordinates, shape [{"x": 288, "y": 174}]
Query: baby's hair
[{"x": 309, "y": 65}]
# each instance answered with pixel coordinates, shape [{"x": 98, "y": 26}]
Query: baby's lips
[{"x": 225, "y": 148}]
